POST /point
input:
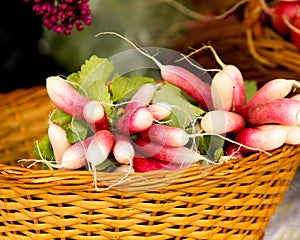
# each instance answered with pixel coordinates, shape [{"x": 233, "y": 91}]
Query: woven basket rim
[{"x": 78, "y": 180}]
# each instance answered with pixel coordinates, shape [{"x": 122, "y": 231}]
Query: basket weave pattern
[{"x": 233, "y": 200}]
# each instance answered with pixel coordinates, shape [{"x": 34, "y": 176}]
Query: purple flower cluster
[{"x": 61, "y": 15}]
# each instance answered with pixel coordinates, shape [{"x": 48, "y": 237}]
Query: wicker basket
[{"x": 233, "y": 200}]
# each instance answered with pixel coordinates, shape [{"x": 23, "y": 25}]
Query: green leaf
[
  {"x": 93, "y": 78},
  {"x": 76, "y": 130},
  {"x": 251, "y": 88},
  {"x": 122, "y": 86},
  {"x": 61, "y": 118},
  {"x": 43, "y": 149},
  {"x": 183, "y": 112}
]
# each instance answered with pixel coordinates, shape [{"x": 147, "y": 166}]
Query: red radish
[
  {"x": 220, "y": 121},
  {"x": 274, "y": 89},
  {"x": 283, "y": 111},
  {"x": 75, "y": 156},
  {"x": 178, "y": 76},
  {"x": 65, "y": 97},
  {"x": 221, "y": 91},
  {"x": 99, "y": 148},
  {"x": 234, "y": 150},
  {"x": 295, "y": 32},
  {"x": 265, "y": 140},
  {"x": 59, "y": 141},
  {"x": 143, "y": 164},
  {"x": 175, "y": 155},
  {"x": 139, "y": 120},
  {"x": 160, "y": 110},
  {"x": 287, "y": 9},
  {"x": 238, "y": 91},
  {"x": 293, "y": 132},
  {"x": 95, "y": 116},
  {"x": 166, "y": 135},
  {"x": 123, "y": 150}
]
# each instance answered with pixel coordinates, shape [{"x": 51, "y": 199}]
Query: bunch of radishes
[
  {"x": 139, "y": 139},
  {"x": 285, "y": 18}
]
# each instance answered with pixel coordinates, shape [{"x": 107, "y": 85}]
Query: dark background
[{"x": 22, "y": 64}]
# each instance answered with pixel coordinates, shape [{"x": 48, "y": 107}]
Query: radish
[
  {"x": 220, "y": 122},
  {"x": 166, "y": 135},
  {"x": 273, "y": 89},
  {"x": 160, "y": 110},
  {"x": 283, "y": 111},
  {"x": 143, "y": 164},
  {"x": 296, "y": 97},
  {"x": 137, "y": 116},
  {"x": 139, "y": 120},
  {"x": 66, "y": 97},
  {"x": 59, "y": 141},
  {"x": 293, "y": 132},
  {"x": 141, "y": 98},
  {"x": 95, "y": 116},
  {"x": 238, "y": 90},
  {"x": 282, "y": 9},
  {"x": 234, "y": 150},
  {"x": 221, "y": 91},
  {"x": 124, "y": 168},
  {"x": 123, "y": 150},
  {"x": 178, "y": 76},
  {"x": 268, "y": 139},
  {"x": 175, "y": 155},
  {"x": 295, "y": 32},
  {"x": 99, "y": 148},
  {"x": 75, "y": 156}
]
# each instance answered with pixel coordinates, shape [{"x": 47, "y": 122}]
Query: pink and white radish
[
  {"x": 166, "y": 135},
  {"x": 123, "y": 150},
  {"x": 293, "y": 132},
  {"x": 94, "y": 114},
  {"x": 137, "y": 116},
  {"x": 99, "y": 148},
  {"x": 266, "y": 140},
  {"x": 220, "y": 122},
  {"x": 75, "y": 156},
  {"x": 65, "y": 97},
  {"x": 222, "y": 91},
  {"x": 59, "y": 141},
  {"x": 160, "y": 110},
  {"x": 296, "y": 97},
  {"x": 139, "y": 120},
  {"x": 273, "y": 89},
  {"x": 178, "y": 76},
  {"x": 238, "y": 90},
  {"x": 175, "y": 155},
  {"x": 282, "y": 111}
]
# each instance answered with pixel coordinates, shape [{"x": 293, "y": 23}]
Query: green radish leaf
[
  {"x": 251, "y": 88},
  {"x": 93, "y": 79},
  {"x": 121, "y": 86},
  {"x": 76, "y": 131},
  {"x": 61, "y": 118},
  {"x": 183, "y": 112},
  {"x": 43, "y": 149}
]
